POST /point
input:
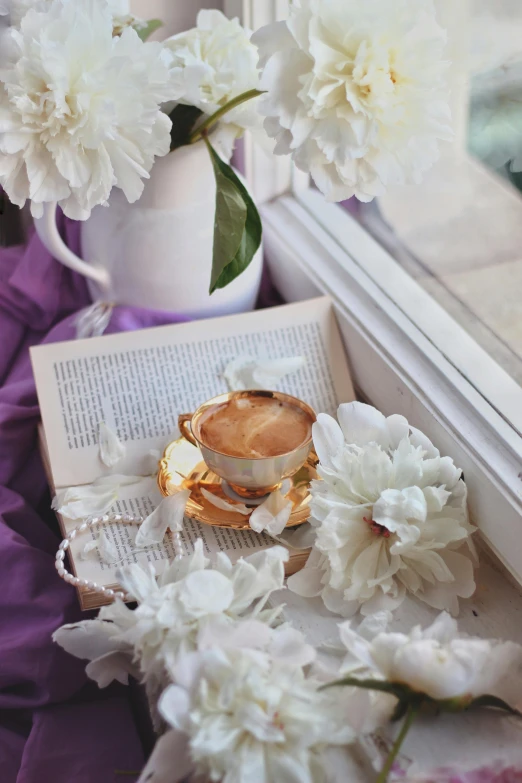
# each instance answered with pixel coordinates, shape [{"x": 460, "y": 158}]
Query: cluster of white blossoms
[
  {"x": 390, "y": 514},
  {"x": 356, "y": 92},
  {"x": 238, "y": 693},
  {"x": 213, "y": 63},
  {"x": 173, "y": 612},
  {"x": 250, "y": 714},
  {"x": 80, "y": 110},
  {"x": 17, "y": 9},
  {"x": 438, "y": 662}
]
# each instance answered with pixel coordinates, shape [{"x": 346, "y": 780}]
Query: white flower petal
[
  {"x": 246, "y": 373},
  {"x": 221, "y": 632},
  {"x": 174, "y": 705},
  {"x": 396, "y": 508},
  {"x": 238, "y": 508},
  {"x": 328, "y": 440},
  {"x": 170, "y": 760},
  {"x": 82, "y": 502},
  {"x": 138, "y": 583},
  {"x": 110, "y": 667},
  {"x": 363, "y": 424},
  {"x": 272, "y": 515},
  {"x": 107, "y": 549},
  {"x": 206, "y": 592},
  {"x": 112, "y": 450},
  {"x": 168, "y": 515},
  {"x": 398, "y": 429},
  {"x": 289, "y": 645},
  {"x": 89, "y": 547},
  {"x": 308, "y": 582},
  {"x": 269, "y": 372},
  {"x": 88, "y": 639},
  {"x": 436, "y": 498},
  {"x": 179, "y": 568},
  {"x": 446, "y": 595}
]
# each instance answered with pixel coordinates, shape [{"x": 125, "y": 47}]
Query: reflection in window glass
[{"x": 459, "y": 233}]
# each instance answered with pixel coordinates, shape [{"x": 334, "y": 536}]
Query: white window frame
[{"x": 391, "y": 331}]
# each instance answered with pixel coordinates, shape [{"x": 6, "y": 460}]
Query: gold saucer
[{"x": 183, "y": 468}]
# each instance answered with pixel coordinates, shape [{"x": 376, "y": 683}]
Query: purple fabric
[{"x": 54, "y": 725}]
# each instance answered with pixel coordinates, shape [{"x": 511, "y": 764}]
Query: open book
[{"x": 139, "y": 382}]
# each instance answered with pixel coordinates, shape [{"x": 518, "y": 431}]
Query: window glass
[{"x": 459, "y": 233}]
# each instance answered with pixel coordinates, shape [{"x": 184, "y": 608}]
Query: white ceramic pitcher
[{"x": 157, "y": 252}]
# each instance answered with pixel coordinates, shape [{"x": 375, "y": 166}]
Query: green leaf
[
  {"x": 493, "y": 701},
  {"x": 183, "y": 120},
  {"x": 145, "y": 31},
  {"x": 237, "y": 228}
]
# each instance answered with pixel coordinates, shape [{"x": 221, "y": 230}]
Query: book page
[
  {"x": 139, "y": 382},
  {"x": 140, "y": 500}
]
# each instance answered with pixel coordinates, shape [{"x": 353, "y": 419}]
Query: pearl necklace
[{"x": 128, "y": 519}]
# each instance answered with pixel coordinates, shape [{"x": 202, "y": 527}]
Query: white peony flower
[
  {"x": 356, "y": 92},
  {"x": 438, "y": 662},
  {"x": 119, "y": 9},
  {"x": 253, "y": 715},
  {"x": 189, "y": 605},
  {"x": 213, "y": 63},
  {"x": 80, "y": 110},
  {"x": 391, "y": 516}
]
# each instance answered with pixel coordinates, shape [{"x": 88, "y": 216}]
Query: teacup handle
[{"x": 184, "y": 427}]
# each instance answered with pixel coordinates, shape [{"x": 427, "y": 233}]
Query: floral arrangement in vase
[{"x": 355, "y": 95}]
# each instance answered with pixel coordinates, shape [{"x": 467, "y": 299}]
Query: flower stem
[
  {"x": 205, "y": 126},
  {"x": 410, "y": 715}
]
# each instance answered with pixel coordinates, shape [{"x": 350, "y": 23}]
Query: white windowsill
[{"x": 398, "y": 368}]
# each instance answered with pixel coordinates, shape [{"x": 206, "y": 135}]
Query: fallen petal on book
[
  {"x": 82, "y": 502},
  {"x": 111, "y": 448},
  {"x": 238, "y": 508},
  {"x": 247, "y": 373},
  {"x": 168, "y": 515},
  {"x": 89, "y": 547},
  {"x": 272, "y": 515},
  {"x": 105, "y": 547}
]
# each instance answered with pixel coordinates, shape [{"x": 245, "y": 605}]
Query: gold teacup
[{"x": 249, "y": 477}]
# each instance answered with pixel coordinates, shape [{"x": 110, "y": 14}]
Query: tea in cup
[{"x": 252, "y": 439}]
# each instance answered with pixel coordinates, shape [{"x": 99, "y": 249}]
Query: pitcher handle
[
  {"x": 184, "y": 427},
  {"x": 47, "y": 230}
]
